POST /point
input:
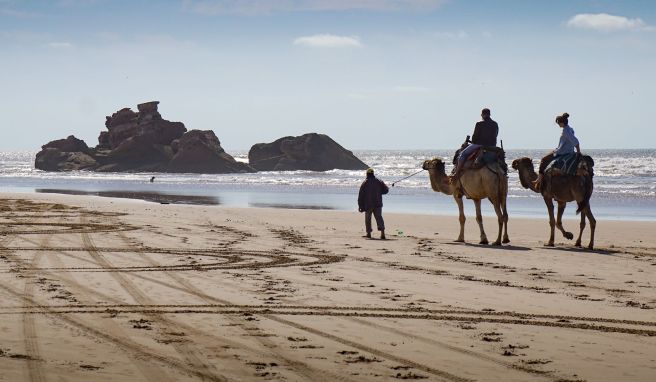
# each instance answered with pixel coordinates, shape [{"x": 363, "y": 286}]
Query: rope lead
[{"x": 409, "y": 176}]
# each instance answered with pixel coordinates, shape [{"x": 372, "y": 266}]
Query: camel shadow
[
  {"x": 505, "y": 247},
  {"x": 597, "y": 251}
]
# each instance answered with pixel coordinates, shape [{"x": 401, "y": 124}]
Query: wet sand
[{"x": 111, "y": 289}]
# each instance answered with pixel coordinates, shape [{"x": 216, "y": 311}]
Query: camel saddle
[
  {"x": 570, "y": 164},
  {"x": 482, "y": 157}
]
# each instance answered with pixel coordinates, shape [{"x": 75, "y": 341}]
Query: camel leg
[
  {"x": 504, "y": 210},
  {"x": 479, "y": 220},
  {"x": 552, "y": 221},
  {"x": 582, "y": 227},
  {"x": 497, "y": 209},
  {"x": 559, "y": 221},
  {"x": 593, "y": 225},
  {"x": 461, "y": 210}
]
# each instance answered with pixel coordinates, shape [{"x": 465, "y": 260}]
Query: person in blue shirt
[{"x": 567, "y": 144}]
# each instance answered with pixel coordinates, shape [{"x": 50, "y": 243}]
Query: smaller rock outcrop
[
  {"x": 68, "y": 154},
  {"x": 201, "y": 152},
  {"x": 312, "y": 152},
  {"x": 70, "y": 144}
]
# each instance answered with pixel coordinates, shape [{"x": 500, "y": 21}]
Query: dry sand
[{"x": 100, "y": 289}]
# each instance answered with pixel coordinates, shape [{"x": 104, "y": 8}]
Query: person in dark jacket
[
  {"x": 370, "y": 201},
  {"x": 485, "y": 134}
]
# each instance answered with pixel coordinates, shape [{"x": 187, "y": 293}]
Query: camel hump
[{"x": 588, "y": 160}]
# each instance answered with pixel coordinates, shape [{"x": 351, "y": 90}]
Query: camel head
[
  {"x": 437, "y": 175},
  {"x": 434, "y": 164},
  {"x": 525, "y": 167},
  {"x": 522, "y": 163}
]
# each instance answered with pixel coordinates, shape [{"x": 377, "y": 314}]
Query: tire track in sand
[
  {"x": 149, "y": 371},
  {"x": 35, "y": 371},
  {"x": 53, "y": 310},
  {"x": 33, "y": 361},
  {"x": 34, "y": 367},
  {"x": 183, "y": 349},
  {"x": 296, "y": 239},
  {"x": 125, "y": 343},
  {"x": 306, "y": 371}
]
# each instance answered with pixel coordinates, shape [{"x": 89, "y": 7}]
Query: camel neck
[
  {"x": 527, "y": 176},
  {"x": 440, "y": 182}
]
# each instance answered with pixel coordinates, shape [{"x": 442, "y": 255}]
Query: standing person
[
  {"x": 370, "y": 201},
  {"x": 485, "y": 134},
  {"x": 566, "y": 145}
]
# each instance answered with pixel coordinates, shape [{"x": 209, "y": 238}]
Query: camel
[
  {"x": 475, "y": 184},
  {"x": 562, "y": 189}
]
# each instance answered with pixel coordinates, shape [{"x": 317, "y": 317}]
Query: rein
[{"x": 407, "y": 177}]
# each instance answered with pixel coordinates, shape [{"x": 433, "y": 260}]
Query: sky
[{"x": 372, "y": 74}]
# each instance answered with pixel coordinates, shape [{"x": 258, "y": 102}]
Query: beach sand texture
[{"x": 103, "y": 289}]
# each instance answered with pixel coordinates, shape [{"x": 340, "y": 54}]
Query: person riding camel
[
  {"x": 568, "y": 142},
  {"x": 485, "y": 134}
]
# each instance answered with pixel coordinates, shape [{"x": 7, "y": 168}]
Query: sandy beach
[{"x": 106, "y": 289}]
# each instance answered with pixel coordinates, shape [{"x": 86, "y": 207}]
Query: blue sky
[{"x": 395, "y": 74}]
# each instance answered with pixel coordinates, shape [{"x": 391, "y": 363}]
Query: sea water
[{"x": 624, "y": 185}]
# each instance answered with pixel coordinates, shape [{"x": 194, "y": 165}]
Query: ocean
[{"x": 625, "y": 185}]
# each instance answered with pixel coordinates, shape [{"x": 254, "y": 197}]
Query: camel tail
[
  {"x": 586, "y": 198},
  {"x": 587, "y": 183}
]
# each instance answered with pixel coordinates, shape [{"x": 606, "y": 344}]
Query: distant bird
[{"x": 152, "y": 179}]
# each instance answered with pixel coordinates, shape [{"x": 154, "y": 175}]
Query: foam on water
[{"x": 622, "y": 177}]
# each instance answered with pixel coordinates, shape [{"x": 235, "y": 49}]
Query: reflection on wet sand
[
  {"x": 149, "y": 196},
  {"x": 291, "y": 206}
]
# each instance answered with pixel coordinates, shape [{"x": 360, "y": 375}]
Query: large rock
[
  {"x": 199, "y": 151},
  {"x": 141, "y": 141},
  {"x": 313, "y": 152}
]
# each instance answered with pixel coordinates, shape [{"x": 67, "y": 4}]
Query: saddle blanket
[{"x": 566, "y": 164}]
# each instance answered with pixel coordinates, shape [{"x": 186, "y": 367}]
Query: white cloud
[
  {"x": 60, "y": 45},
  {"x": 215, "y": 7},
  {"x": 607, "y": 23},
  {"x": 328, "y": 41}
]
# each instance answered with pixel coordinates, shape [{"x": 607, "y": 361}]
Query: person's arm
[
  {"x": 496, "y": 133},
  {"x": 383, "y": 187},
  {"x": 477, "y": 133},
  {"x": 361, "y": 198}
]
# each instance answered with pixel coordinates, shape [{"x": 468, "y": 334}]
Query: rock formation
[
  {"x": 312, "y": 152},
  {"x": 141, "y": 141},
  {"x": 202, "y": 151},
  {"x": 65, "y": 155}
]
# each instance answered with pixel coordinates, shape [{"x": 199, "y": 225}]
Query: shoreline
[
  {"x": 448, "y": 222},
  {"x": 431, "y": 204}
]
